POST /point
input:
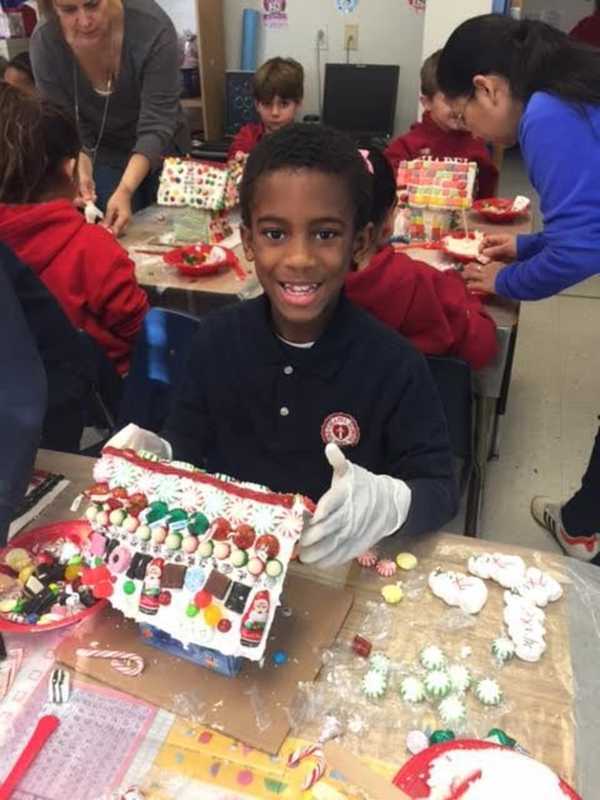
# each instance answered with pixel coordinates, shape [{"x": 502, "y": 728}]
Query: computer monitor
[{"x": 361, "y": 98}]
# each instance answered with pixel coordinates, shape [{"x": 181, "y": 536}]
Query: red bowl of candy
[
  {"x": 499, "y": 209},
  {"x": 36, "y": 556},
  {"x": 463, "y": 247},
  {"x": 413, "y": 777},
  {"x": 200, "y": 260}
]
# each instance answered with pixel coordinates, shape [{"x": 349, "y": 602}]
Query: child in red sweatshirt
[
  {"x": 278, "y": 89},
  {"x": 83, "y": 266},
  {"x": 438, "y": 135},
  {"x": 431, "y": 308}
]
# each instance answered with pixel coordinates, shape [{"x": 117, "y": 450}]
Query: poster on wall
[
  {"x": 274, "y": 13},
  {"x": 346, "y": 6},
  {"x": 417, "y": 5}
]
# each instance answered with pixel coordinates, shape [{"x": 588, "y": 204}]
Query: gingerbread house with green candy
[{"x": 199, "y": 560}]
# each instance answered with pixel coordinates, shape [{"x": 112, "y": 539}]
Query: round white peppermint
[
  {"x": 488, "y": 692},
  {"x": 374, "y": 684},
  {"x": 412, "y": 690},
  {"x": 452, "y": 710},
  {"x": 432, "y": 657},
  {"x": 460, "y": 678},
  {"x": 503, "y": 649},
  {"x": 379, "y": 662},
  {"x": 437, "y": 684}
]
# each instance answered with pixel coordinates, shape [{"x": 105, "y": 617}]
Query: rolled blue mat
[{"x": 250, "y": 24}]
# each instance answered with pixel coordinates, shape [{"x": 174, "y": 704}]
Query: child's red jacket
[
  {"x": 430, "y": 308},
  {"x": 247, "y": 138},
  {"x": 84, "y": 267}
]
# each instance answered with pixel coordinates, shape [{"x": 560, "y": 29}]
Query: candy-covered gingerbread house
[
  {"x": 201, "y": 184},
  {"x": 434, "y": 193},
  {"x": 198, "y": 559}
]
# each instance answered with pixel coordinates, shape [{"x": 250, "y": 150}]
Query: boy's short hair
[
  {"x": 307, "y": 146},
  {"x": 384, "y": 187},
  {"x": 281, "y": 77},
  {"x": 429, "y": 82}
]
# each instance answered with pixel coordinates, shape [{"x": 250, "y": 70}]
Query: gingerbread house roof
[{"x": 446, "y": 184}]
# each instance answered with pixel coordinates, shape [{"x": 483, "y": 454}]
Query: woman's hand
[
  {"x": 500, "y": 247},
  {"x": 118, "y": 211},
  {"x": 480, "y": 278}
]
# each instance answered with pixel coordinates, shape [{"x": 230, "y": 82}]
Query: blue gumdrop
[
  {"x": 31, "y": 619},
  {"x": 195, "y": 578},
  {"x": 279, "y": 658}
]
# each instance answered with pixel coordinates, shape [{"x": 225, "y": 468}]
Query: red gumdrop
[
  {"x": 219, "y": 529},
  {"x": 362, "y": 647},
  {"x": 202, "y": 599},
  {"x": 138, "y": 499},
  {"x": 164, "y": 598},
  {"x": 102, "y": 589},
  {"x": 224, "y": 625},
  {"x": 119, "y": 492},
  {"x": 269, "y": 544},
  {"x": 244, "y": 537}
]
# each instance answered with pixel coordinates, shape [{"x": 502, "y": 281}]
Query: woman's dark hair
[
  {"x": 384, "y": 187},
  {"x": 314, "y": 147},
  {"x": 531, "y": 55},
  {"x": 35, "y": 139}
]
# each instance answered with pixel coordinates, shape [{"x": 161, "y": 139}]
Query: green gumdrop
[
  {"x": 129, "y": 587},
  {"x": 98, "y": 561},
  {"x": 274, "y": 786},
  {"x": 177, "y": 518},
  {"x": 158, "y": 510},
  {"x": 18, "y": 606},
  {"x": 199, "y": 524},
  {"x": 191, "y": 610},
  {"x": 75, "y": 560},
  {"x": 499, "y": 737},
  {"x": 441, "y": 736}
]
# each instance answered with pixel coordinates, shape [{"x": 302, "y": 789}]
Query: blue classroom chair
[{"x": 157, "y": 365}]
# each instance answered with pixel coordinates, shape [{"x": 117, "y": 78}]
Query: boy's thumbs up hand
[{"x": 357, "y": 511}]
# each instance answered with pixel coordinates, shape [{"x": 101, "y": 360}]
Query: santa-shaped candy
[
  {"x": 255, "y": 619},
  {"x": 149, "y": 602}
]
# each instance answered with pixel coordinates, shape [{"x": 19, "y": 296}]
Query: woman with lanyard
[
  {"x": 525, "y": 81},
  {"x": 113, "y": 64}
]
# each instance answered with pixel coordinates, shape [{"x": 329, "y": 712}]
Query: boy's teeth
[{"x": 301, "y": 288}]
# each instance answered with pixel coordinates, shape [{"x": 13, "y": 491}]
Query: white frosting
[
  {"x": 504, "y": 773},
  {"x": 457, "y": 589}
]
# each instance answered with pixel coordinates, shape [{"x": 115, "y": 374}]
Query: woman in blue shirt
[{"x": 525, "y": 81}]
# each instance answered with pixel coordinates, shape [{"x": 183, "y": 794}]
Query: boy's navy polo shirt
[{"x": 255, "y": 408}]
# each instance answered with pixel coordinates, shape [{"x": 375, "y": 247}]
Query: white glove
[
  {"x": 92, "y": 213},
  {"x": 132, "y": 437},
  {"x": 357, "y": 511}
]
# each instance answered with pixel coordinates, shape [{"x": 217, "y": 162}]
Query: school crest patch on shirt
[{"x": 341, "y": 429}]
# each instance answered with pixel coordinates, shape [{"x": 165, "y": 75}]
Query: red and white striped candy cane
[
  {"x": 319, "y": 768},
  {"x": 125, "y": 663}
]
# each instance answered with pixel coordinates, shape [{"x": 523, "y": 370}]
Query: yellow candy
[
  {"x": 406, "y": 561},
  {"x": 8, "y": 605},
  {"x": 73, "y": 571},
  {"x": 17, "y": 558},
  {"x": 392, "y": 593},
  {"x": 25, "y": 573},
  {"x": 212, "y": 616}
]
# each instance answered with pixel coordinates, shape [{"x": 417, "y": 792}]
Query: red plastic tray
[
  {"x": 176, "y": 258},
  {"x": 76, "y": 531},
  {"x": 412, "y": 777},
  {"x": 502, "y": 211}
]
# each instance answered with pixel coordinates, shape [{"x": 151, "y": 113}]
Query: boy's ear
[
  {"x": 363, "y": 242},
  {"x": 247, "y": 242},
  {"x": 426, "y": 102}
]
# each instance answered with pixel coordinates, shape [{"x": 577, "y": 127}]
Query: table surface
[
  {"x": 542, "y": 703},
  {"x": 152, "y": 272}
]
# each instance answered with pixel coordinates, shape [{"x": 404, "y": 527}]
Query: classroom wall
[
  {"x": 558, "y": 12},
  {"x": 442, "y": 17},
  {"x": 390, "y": 32}
]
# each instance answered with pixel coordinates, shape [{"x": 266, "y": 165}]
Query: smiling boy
[
  {"x": 278, "y": 89},
  {"x": 273, "y": 381}
]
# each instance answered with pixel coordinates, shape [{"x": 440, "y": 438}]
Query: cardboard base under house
[{"x": 252, "y": 706}]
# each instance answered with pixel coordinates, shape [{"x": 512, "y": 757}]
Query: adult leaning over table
[
  {"x": 525, "y": 81},
  {"x": 113, "y": 64}
]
